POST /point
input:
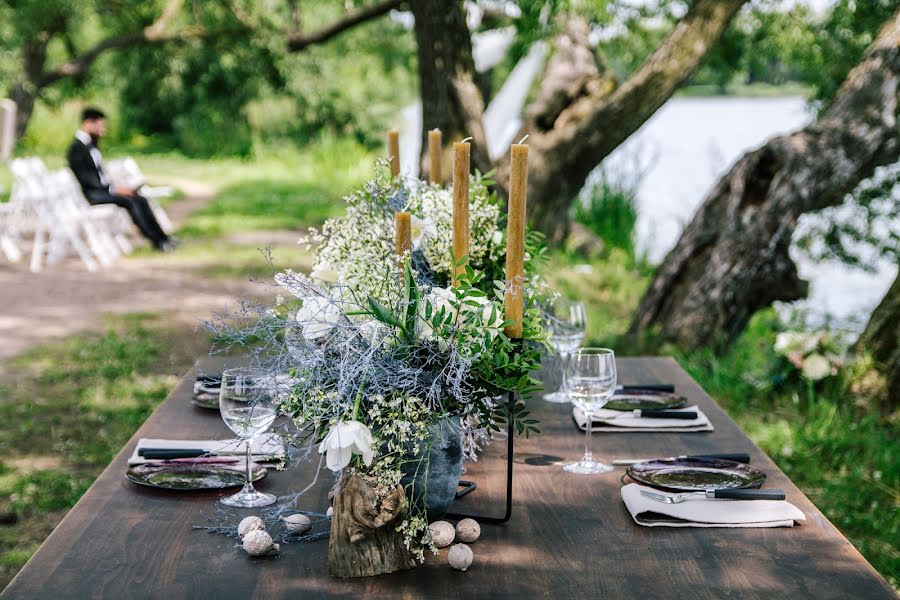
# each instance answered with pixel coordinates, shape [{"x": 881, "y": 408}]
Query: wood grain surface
[{"x": 569, "y": 537}]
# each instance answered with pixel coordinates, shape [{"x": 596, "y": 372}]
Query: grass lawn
[
  {"x": 66, "y": 416},
  {"x": 69, "y": 409}
]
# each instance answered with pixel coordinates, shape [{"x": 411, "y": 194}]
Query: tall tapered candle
[
  {"x": 394, "y": 151},
  {"x": 515, "y": 241},
  {"x": 434, "y": 156},
  {"x": 402, "y": 233},
  {"x": 460, "y": 206}
]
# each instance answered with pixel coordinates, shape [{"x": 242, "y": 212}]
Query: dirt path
[{"x": 65, "y": 298}]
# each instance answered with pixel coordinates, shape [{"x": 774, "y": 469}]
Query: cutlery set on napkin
[
  {"x": 266, "y": 447},
  {"x": 657, "y": 409},
  {"x": 717, "y": 490}
]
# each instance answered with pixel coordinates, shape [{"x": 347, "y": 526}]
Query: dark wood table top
[{"x": 570, "y": 535}]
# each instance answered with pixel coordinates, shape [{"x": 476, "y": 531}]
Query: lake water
[{"x": 679, "y": 154}]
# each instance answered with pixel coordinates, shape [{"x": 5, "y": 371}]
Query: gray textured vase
[{"x": 444, "y": 467}]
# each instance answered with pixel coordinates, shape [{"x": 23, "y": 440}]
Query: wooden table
[{"x": 570, "y": 535}]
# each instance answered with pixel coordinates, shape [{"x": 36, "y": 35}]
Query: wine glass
[
  {"x": 248, "y": 408},
  {"x": 564, "y": 321},
  {"x": 591, "y": 381}
]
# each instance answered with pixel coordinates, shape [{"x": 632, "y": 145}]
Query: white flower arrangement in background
[{"x": 815, "y": 354}]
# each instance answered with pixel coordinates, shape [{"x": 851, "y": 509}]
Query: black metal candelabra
[{"x": 469, "y": 486}]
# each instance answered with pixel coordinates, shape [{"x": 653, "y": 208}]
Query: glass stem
[
  {"x": 563, "y": 361},
  {"x": 588, "y": 456},
  {"x": 248, "y": 484}
]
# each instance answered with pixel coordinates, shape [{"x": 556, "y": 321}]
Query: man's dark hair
[{"x": 92, "y": 114}]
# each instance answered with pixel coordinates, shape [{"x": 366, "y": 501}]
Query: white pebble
[
  {"x": 249, "y": 524},
  {"x": 468, "y": 530},
  {"x": 460, "y": 557},
  {"x": 297, "y": 524},
  {"x": 257, "y": 543},
  {"x": 442, "y": 533}
]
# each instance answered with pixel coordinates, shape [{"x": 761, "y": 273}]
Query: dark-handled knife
[
  {"x": 169, "y": 453},
  {"x": 655, "y": 387},
  {"x": 739, "y": 457},
  {"x": 645, "y": 413},
  {"x": 746, "y": 494}
]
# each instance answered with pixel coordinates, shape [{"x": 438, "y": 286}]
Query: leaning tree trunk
[
  {"x": 881, "y": 338},
  {"x": 451, "y": 99},
  {"x": 733, "y": 257},
  {"x": 581, "y": 115}
]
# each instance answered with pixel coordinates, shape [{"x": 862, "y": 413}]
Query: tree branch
[
  {"x": 298, "y": 42},
  {"x": 155, "y": 33}
]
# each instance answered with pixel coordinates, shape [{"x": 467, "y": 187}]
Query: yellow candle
[
  {"x": 434, "y": 156},
  {"x": 402, "y": 233},
  {"x": 515, "y": 241},
  {"x": 460, "y": 206},
  {"x": 394, "y": 151}
]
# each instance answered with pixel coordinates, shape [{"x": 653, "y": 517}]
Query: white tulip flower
[
  {"x": 421, "y": 229},
  {"x": 343, "y": 441},
  {"x": 318, "y": 316},
  {"x": 324, "y": 272}
]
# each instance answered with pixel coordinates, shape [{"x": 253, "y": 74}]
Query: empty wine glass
[
  {"x": 591, "y": 381},
  {"x": 248, "y": 408},
  {"x": 564, "y": 321}
]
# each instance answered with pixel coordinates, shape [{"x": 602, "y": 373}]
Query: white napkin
[
  {"x": 705, "y": 512},
  {"x": 617, "y": 420},
  {"x": 264, "y": 447}
]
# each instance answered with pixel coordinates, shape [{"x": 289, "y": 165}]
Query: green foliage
[
  {"x": 839, "y": 42},
  {"x": 69, "y": 409},
  {"x": 609, "y": 210}
]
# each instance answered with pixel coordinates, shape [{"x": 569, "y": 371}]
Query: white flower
[
  {"x": 325, "y": 272},
  {"x": 497, "y": 238},
  {"x": 489, "y": 316},
  {"x": 421, "y": 230},
  {"x": 787, "y": 342},
  {"x": 318, "y": 316},
  {"x": 438, "y": 298},
  {"x": 343, "y": 441},
  {"x": 815, "y": 367}
]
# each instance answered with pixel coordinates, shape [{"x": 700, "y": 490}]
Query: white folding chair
[{"x": 126, "y": 173}]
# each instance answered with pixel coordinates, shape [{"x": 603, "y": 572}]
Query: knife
[
  {"x": 739, "y": 457},
  {"x": 645, "y": 413},
  {"x": 167, "y": 453},
  {"x": 656, "y": 387}
]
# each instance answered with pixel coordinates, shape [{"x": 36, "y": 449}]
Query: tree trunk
[
  {"x": 21, "y": 94},
  {"x": 733, "y": 257},
  {"x": 451, "y": 99},
  {"x": 882, "y": 339},
  {"x": 24, "y": 92},
  {"x": 581, "y": 116},
  {"x": 363, "y": 539}
]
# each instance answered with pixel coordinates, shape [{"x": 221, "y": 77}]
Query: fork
[{"x": 725, "y": 493}]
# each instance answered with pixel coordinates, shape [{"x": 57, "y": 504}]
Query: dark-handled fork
[{"x": 725, "y": 494}]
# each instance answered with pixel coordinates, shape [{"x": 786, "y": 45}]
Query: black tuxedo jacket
[{"x": 86, "y": 171}]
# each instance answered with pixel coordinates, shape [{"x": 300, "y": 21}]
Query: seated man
[{"x": 86, "y": 163}]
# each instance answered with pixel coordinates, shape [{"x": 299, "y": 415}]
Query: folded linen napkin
[
  {"x": 704, "y": 512},
  {"x": 616, "y": 420},
  {"x": 265, "y": 447}
]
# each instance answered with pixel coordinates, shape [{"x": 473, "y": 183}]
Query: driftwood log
[{"x": 363, "y": 539}]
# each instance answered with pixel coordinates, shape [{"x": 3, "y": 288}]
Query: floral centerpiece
[{"x": 394, "y": 356}]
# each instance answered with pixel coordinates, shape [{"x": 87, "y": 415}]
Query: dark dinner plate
[
  {"x": 204, "y": 400},
  {"x": 192, "y": 476},
  {"x": 645, "y": 400},
  {"x": 692, "y": 474}
]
